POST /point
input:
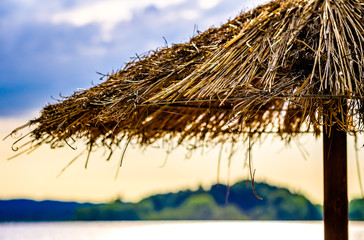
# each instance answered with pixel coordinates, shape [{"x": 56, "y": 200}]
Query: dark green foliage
[
  {"x": 277, "y": 203},
  {"x": 161, "y": 201},
  {"x": 356, "y": 210},
  {"x": 199, "y": 207},
  {"x": 212, "y": 204},
  {"x": 219, "y": 193},
  {"x": 108, "y": 212}
]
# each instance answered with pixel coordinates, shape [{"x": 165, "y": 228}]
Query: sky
[{"x": 52, "y": 48}]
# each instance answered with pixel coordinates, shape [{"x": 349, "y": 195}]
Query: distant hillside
[
  {"x": 212, "y": 204},
  {"x": 29, "y": 210},
  {"x": 356, "y": 210},
  {"x": 217, "y": 203}
]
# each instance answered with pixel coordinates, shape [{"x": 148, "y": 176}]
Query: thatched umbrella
[{"x": 285, "y": 67}]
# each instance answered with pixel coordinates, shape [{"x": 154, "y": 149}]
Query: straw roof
[{"x": 287, "y": 67}]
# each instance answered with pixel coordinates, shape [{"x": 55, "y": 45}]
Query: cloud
[
  {"x": 57, "y": 46},
  {"x": 190, "y": 14},
  {"x": 208, "y": 4},
  {"x": 100, "y": 12},
  {"x": 108, "y": 13}
]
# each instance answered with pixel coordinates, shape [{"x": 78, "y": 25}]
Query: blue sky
[{"x": 49, "y": 48}]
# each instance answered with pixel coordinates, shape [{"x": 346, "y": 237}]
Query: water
[{"x": 177, "y": 230}]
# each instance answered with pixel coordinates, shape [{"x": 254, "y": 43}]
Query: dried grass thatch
[{"x": 287, "y": 66}]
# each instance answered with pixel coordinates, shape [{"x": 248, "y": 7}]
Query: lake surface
[{"x": 257, "y": 230}]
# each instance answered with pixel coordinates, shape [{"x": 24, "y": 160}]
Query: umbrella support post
[{"x": 335, "y": 184}]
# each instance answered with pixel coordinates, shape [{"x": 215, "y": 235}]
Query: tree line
[{"x": 220, "y": 202}]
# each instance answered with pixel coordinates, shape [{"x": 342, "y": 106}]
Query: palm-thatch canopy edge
[{"x": 286, "y": 66}]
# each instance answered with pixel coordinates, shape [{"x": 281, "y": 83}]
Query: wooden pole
[{"x": 335, "y": 184}]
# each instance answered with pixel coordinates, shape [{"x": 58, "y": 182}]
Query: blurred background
[{"x": 50, "y": 49}]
